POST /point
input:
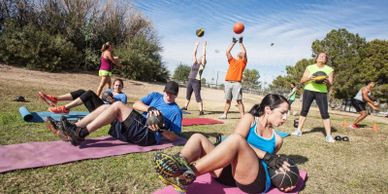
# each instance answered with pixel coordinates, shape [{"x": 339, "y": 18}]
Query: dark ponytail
[{"x": 271, "y": 100}]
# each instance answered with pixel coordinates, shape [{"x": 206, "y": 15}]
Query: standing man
[
  {"x": 359, "y": 102},
  {"x": 233, "y": 87}
]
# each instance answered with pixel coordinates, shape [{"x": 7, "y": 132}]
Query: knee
[
  {"x": 228, "y": 101},
  {"x": 197, "y": 136},
  {"x": 239, "y": 101},
  {"x": 364, "y": 114},
  {"x": 236, "y": 139}
]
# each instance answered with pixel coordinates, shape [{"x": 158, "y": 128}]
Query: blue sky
[{"x": 291, "y": 25}]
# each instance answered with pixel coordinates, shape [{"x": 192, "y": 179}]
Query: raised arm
[
  {"x": 195, "y": 52},
  {"x": 243, "y": 49},
  {"x": 230, "y": 47},
  {"x": 204, "y": 53}
]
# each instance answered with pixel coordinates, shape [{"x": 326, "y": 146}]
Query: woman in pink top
[{"x": 105, "y": 72}]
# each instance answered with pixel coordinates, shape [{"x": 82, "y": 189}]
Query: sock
[{"x": 83, "y": 133}]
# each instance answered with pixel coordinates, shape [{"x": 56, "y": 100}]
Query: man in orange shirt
[{"x": 233, "y": 87}]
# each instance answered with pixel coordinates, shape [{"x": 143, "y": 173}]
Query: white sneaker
[
  {"x": 297, "y": 133},
  {"x": 223, "y": 116},
  {"x": 330, "y": 139}
]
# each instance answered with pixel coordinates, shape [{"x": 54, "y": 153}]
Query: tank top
[
  {"x": 315, "y": 87},
  {"x": 106, "y": 64},
  {"x": 359, "y": 97},
  {"x": 196, "y": 71},
  {"x": 264, "y": 144}
]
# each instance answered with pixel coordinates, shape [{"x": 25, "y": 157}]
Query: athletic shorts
[
  {"x": 358, "y": 105},
  {"x": 194, "y": 85},
  {"x": 233, "y": 90},
  {"x": 133, "y": 130},
  {"x": 104, "y": 73},
  {"x": 257, "y": 186}
]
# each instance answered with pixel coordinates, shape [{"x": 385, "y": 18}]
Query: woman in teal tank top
[{"x": 241, "y": 159}]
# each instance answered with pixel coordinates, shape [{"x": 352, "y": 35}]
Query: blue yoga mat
[{"x": 41, "y": 116}]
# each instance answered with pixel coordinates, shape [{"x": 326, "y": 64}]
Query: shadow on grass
[
  {"x": 319, "y": 129},
  {"x": 298, "y": 158}
]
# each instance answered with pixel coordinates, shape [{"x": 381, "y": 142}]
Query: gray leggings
[{"x": 194, "y": 85}]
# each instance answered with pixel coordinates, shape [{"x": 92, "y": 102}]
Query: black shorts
[
  {"x": 133, "y": 130},
  {"x": 89, "y": 98},
  {"x": 194, "y": 85},
  {"x": 257, "y": 186},
  {"x": 358, "y": 105}
]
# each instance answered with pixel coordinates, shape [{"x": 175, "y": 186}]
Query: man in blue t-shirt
[{"x": 126, "y": 123}]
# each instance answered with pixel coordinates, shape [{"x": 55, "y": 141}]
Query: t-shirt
[
  {"x": 196, "y": 71},
  {"x": 120, "y": 97},
  {"x": 315, "y": 87},
  {"x": 235, "y": 70},
  {"x": 172, "y": 114}
]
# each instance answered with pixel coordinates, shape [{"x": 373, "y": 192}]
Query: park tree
[
  {"x": 345, "y": 52},
  {"x": 251, "y": 79},
  {"x": 181, "y": 72}
]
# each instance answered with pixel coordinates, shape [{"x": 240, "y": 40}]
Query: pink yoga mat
[
  {"x": 205, "y": 184},
  {"x": 39, "y": 154},
  {"x": 199, "y": 121}
]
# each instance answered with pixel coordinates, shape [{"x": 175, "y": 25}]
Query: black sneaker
[
  {"x": 56, "y": 128},
  {"x": 72, "y": 131},
  {"x": 201, "y": 113},
  {"x": 183, "y": 108}
]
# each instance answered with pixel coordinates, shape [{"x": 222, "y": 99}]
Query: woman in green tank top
[{"x": 316, "y": 87}]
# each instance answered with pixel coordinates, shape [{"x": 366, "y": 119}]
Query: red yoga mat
[
  {"x": 39, "y": 154},
  {"x": 205, "y": 184},
  {"x": 200, "y": 121}
]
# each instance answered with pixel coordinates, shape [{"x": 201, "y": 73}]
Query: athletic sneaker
[
  {"x": 59, "y": 109},
  {"x": 56, "y": 128},
  {"x": 352, "y": 126},
  {"x": 330, "y": 139},
  {"x": 174, "y": 170},
  {"x": 72, "y": 131},
  {"x": 201, "y": 113},
  {"x": 223, "y": 116},
  {"x": 297, "y": 133},
  {"x": 50, "y": 100},
  {"x": 183, "y": 108}
]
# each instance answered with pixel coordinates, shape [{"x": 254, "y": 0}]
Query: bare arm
[
  {"x": 204, "y": 53},
  {"x": 329, "y": 81},
  {"x": 306, "y": 77},
  {"x": 244, "y": 52},
  {"x": 228, "y": 55},
  {"x": 195, "y": 52},
  {"x": 243, "y": 125},
  {"x": 140, "y": 106}
]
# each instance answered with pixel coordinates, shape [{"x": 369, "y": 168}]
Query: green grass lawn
[{"x": 358, "y": 166}]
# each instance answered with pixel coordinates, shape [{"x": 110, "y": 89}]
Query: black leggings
[
  {"x": 257, "y": 186},
  {"x": 89, "y": 98},
  {"x": 320, "y": 99}
]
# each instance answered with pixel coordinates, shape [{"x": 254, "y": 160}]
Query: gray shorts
[{"x": 233, "y": 90}]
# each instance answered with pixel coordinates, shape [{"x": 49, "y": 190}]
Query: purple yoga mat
[
  {"x": 39, "y": 154},
  {"x": 205, "y": 184}
]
